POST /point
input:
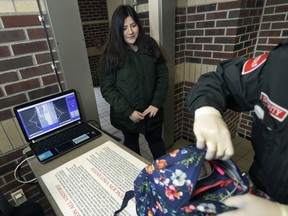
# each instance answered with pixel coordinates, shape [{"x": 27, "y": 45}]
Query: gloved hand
[
  {"x": 250, "y": 205},
  {"x": 212, "y": 132}
]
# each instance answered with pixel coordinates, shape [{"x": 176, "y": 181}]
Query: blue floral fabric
[{"x": 170, "y": 185}]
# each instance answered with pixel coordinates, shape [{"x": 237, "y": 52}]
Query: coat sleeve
[
  {"x": 232, "y": 86},
  {"x": 161, "y": 89},
  {"x": 113, "y": 96}
]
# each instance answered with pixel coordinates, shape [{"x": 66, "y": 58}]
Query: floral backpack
[{"x": 182, "y": 182}]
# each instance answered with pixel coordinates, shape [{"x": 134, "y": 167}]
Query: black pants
[{"x": 154, "y": 139}]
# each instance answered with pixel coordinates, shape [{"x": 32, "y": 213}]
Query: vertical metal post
[
  {"x": 162, "y": 29},
  {"x": 66, "y": 24}
]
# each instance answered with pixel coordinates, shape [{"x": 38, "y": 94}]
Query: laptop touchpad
[{"x": 64, "y": 147}]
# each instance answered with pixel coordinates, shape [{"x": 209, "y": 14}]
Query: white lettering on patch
[{"x": 275, "y": 110}]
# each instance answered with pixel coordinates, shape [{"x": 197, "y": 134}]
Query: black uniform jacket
[{"x": 240, "y": 84}]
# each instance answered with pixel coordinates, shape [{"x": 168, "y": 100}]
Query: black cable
[{"x": 42, "y": 20}]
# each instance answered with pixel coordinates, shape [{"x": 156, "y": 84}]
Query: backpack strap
[
  {"x": 128, "y": 196},
  {"x": 221, "y": 183}
]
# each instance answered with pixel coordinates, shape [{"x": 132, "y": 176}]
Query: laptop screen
[{"x": 48, "y": 114}]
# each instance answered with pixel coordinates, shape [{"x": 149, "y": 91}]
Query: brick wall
[
  {"x": 207, "y": 34},
  {"x": 95, "y": 24},
  {"x": 25, "y": 74},
  {"x": 25, "y": 64},
  {"x": 273, "y": 28}
]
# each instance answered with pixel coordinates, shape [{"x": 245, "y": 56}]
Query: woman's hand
[
  {"x": 136, "y": 116},
  {"x": 151, "y": 110}
]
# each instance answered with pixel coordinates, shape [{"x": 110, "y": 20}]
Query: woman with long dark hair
[{"x": 134, "y": 81}]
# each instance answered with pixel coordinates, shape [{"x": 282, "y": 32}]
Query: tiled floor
[{"x": 243, "y": 149}]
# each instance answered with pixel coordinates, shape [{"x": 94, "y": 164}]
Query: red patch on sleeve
[{"x": 251, "y": 64}]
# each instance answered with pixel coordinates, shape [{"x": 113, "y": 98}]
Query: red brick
[
  {"x": 202, "y": 54},
  {"x": 6, "y": 114},
  {"x": 12, "y": 101},
  {"x": 227, "y": 23},
  {"x": 269, "y": 10},
  {"x": 190, "y": 25},
  {"x": 195, "y": 32},
  {"x": 229, "y": 5},
  {"x": 274, "y": 17},
  {"x": 213, "y": 47},
  {"x": 36, "y": 71},
  {"x": 20, "y": 21},
  {"x": 194, "y": 47},
  {"x": 218, "y": 31},
  {"x": 36, "y": 33},
  {"x": 206, "y": 8},
  {"x": 196, "y": 17},
  {"x": 180, "y": 11},
  {"x": 22, "y": 86},
  {"x": 8, "y": 77},
  {"x": 50, "y": 79},
  {"x": 280, "y": 25},
  {"x": 203, "y": 40},
  {"x": 41, "y": 92},
  {"x": 4, "y": 51},
  {"x": 216, "y": 15},
  {"x": 242, "y": 52},
  {"x": 11, "y": 36},
  {"x": 222, "y": 55},
  {"x": 266, "y": 26},
  {"x": 234, "y": 14},
  {"x": 225, "y": 40},
  {"x": 15, "y": 63},
  {"x": 270, "y": 33},
  {"x": 275, "y": 2},
  {"x": 229, "y": 47},
  {"x": 45, "y": 57},
  {"x": 248, "y": 21},
  {"x": 205, "y": 24},
  {"x": 256, "y": 11},
  {"x": 191, "y": 10},
  {"x": 275, "y": 41},
  {"x": 193, "y": 60},
  {"x": 211, "y": 61},
  {"x": 256, "y": 20},
  {"x": 31, "y": 47},
  {"x": 234, "y": 31},
  {"x": 138, "y": 2},
  {"x": 247, "y": 12},
  {"x": 180, "y": 19},
  {"x": 281, "y": 9}
]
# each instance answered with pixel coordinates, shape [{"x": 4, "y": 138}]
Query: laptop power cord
[{"x": 17, "y": 176}]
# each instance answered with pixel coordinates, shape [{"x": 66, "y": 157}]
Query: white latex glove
[
  {"x": 212, "y": 132},
  {"x": 250, "y": 205}
]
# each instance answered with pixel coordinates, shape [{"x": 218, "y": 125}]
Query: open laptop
[{"x": 53, "y": 125}]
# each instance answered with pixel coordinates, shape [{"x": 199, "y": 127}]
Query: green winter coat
[{"x": 138, "y": 84}]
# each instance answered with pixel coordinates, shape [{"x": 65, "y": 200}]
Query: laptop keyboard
[{"x": 63, "y": 137}]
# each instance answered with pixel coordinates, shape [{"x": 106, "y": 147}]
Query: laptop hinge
[{"x": 55, "y": 132}]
